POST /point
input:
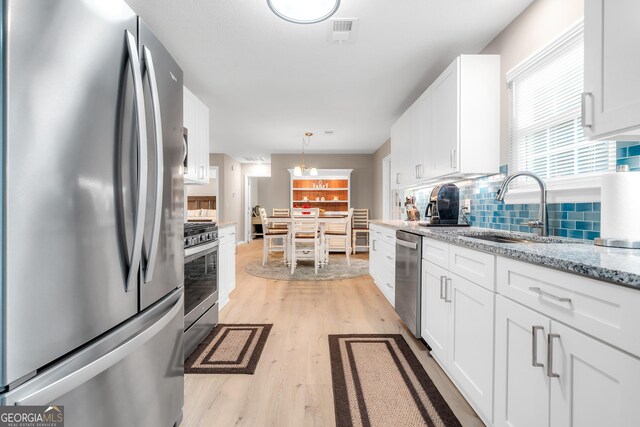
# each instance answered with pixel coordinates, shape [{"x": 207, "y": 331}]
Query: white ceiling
[{"x": 267, "y": 81}]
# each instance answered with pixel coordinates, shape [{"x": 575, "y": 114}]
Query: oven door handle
[{"x": 192, "y": 253}]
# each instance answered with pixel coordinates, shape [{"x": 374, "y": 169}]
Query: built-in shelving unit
[{"x": 329, "y": 190}]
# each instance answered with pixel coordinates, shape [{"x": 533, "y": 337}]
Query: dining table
[{"x": 323, "y": 221}]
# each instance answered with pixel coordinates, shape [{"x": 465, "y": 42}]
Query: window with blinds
[{"x": 545, "y": 133}]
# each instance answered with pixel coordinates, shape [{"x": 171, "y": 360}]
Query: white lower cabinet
[
  {"x": 521, "y": 383},
  {"x": 382, "y": 260},
  {"x": 435, "y": 310},
  {"x": 549, "y": 374},
  {"x": 226, "y": 265},
  {"x": 457, "y": 323},
  {"x": 470, "y": 360},
  {"x": 596, "y": 385}
]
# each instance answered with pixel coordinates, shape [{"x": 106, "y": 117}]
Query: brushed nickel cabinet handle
[
  {"x": 443, "y": 284},
  {"x": 583, "y": 109},
  {"x": 534, "y": 346},
  {"x": 540, "y": 292},
  {"x": 448, "y": 281},
  {"x": 550, "y": 372}
]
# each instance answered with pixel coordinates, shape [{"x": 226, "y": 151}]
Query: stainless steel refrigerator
[{"x": 92, "y": 205}]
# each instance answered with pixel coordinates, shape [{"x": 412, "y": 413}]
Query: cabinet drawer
[
  {"x": 382, "y": 248},
  {"x": 478, "y": 267},
  {"x": 436, "y": 252},
  {"x": 227, "y": 231},
  {"x": 603, "y": 310},
  {"x": 387, "y": 282},
  {"x": 386, "y": 234}
]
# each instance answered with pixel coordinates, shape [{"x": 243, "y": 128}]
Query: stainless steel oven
[{"x": 201, "y": 271}]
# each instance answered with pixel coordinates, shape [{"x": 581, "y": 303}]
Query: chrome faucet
[{"x": 541, "y": 222}]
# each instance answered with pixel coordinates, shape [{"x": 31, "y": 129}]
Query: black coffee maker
[{"x": 444, "y": 205}]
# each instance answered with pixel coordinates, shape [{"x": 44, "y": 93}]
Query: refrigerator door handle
[
  {"x": 157, "y": 127},
  {"x": 136, "y": 253},
  {"x": 78, "y": 376}
]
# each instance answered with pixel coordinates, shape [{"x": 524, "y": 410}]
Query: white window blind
[{"x": 545, "y": 133}]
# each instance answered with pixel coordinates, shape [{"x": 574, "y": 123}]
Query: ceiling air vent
[
  {"x": 343, "y": 30},
  {"x": 255, "y": 159}
]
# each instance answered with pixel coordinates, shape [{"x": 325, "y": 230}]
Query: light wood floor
[{"x": 292, "y": 384}]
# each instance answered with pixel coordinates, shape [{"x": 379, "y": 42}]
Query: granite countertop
[{"x": 618, "y": 266}]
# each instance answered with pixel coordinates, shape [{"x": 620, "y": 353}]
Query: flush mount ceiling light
[
  {"x": 304, "y": 11},
  {"x": 301, "y": 168}
]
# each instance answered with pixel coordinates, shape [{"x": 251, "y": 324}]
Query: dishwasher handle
[{"x": 410, "y": 245}]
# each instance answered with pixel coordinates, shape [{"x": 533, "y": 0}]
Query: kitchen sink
[{"x": 499, "y": 238}]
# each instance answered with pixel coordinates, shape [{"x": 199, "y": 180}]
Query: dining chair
[
  {"x": 360, "y": 228},
  {"x": 269, "y": 234},
  {"x": 339, "y": 236},
  {"x": 304, "y": 237},
  {"x": 278, "y": 244}
]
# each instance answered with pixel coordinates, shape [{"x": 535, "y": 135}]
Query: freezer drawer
[{"x": 131, "y": 377}]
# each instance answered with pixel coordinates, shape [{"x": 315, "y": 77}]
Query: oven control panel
[
  {"x": 196, "y": 234},
  {"x": 199, "y": 239}
]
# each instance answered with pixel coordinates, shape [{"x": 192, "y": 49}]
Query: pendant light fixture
[
  {"x": 300, "y": 169},
  {"x": 304, "y": 11}
]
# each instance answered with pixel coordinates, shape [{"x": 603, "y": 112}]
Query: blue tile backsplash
[
  {"x": 575, "y": 220},
  {"x": 628, "y": 153}
]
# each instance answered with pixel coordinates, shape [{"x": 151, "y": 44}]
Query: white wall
[{"x": 210, "y": 189}]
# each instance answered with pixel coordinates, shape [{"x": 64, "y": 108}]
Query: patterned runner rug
[
  {"x": 229, "y": 349},
  {"x": 378, "y": 381}
]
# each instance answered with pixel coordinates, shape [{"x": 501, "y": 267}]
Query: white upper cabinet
[
  {"x": 400, "y": 156},
  {"x": 445, "y": 122},
  {"x": 453, "y": 129},
  {"x": 611, "y": 101},
  {"x": 421, "y": 120},
  {"x": 196, "y": 123}
]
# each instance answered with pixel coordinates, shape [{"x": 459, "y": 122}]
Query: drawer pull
[
  {"x": 550, "y": 372},
  {"x": 389, "y": 285},
  {"x": 534, "y": 346},
  {"x": 547, "y": 294},
  {"x": 442, "y": 286},
  {"x": 389, "y": 258}
]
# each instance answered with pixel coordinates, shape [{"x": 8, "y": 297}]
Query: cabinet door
[
  {"x": 426, "y": 150},
  {"x": 374, "y": 258},
  {"x": 597, "y": 385},
  {"x": 471, "y": 337},
  {"x": 435, "y": 310},
  {"x": 190, "y": 122},
  {"x": 223, "y": 274},
  {"x": 445, "y": 121},
  {"x": 232, "y": 265},
  {"x": 400, "y": 151},
  {"x": 611, "y": 78},
  {"x": 521, "y": 384},
  {"x": 203, "y": 143},
  {"x": 227, "y": 271},
  {"x": 420, "y": 126}
]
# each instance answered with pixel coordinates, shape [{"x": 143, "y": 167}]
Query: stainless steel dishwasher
[{"x": 408, "y": 279}]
